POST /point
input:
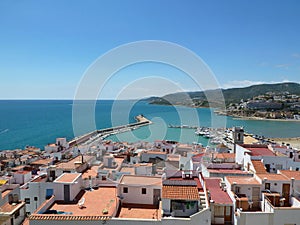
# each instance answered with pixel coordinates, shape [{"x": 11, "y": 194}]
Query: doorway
[{"x": 66, "y": 193}]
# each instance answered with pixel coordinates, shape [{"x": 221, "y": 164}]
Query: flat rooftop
[
  {"x": 42, "y": 162},
  {"x": 227, "y": 171},
  {"x": 130, "y": 170},
  {"x": 157, "y": 152},
  {"x": 5, "y": 192},
  {"x": 67, "y": 177},
  {"x": 10, "y": 208},
  {"x": 140, "y": 180},
  {"x": 225, "y": 156},
  {"x": 72, "y": 164},
  {"x": 93, "y": 171},
  {"x": 243, "y": 180},
  {"x": 139, "y": 212},
  {"x": 95, "y": 202}
]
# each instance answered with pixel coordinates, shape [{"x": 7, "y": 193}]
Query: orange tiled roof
[
  {"x": 259, "y": 167},
  {"x": 291, "y": 173},
  {"x": 66, "y": 217},
  {"x": 273, "y": 177},
  {"x": 180, "y": 192}
]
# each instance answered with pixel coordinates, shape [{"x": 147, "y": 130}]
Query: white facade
[
  {"x": 35, "y": 193},
  {"x": 146, "y": 156},
  {"x": 14, "y": 217},
  {"x": 147, "y": 191},
  {"x": 22, "y": 177},
  {"x": 143, "y": 169},
  {"x": 74, "y": 188},
  {"x": 200, "y": 218},
  {"x": 51, "y": 148},
  {"x": 62, "y": 142},
  {"x": 239, "y": 154},
  {"x": 270, "y": 216},
  {"x": 275, "y": 185}
]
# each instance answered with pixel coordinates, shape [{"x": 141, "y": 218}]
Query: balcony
[{"x": 245, "y": 204}]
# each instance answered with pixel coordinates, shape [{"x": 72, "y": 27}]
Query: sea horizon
[{"x": 39, "y": 122}]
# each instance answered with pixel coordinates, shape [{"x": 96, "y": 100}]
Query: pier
[
  {"x": 141, "y": 121},
  {"x": 182, "y": 126}
]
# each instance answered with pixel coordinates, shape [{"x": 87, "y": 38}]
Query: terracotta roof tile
[
  {"x": 273, "y": 177},
  {"x": 291, "y": 173},
  {"x": 66, "y": 217},
  {"x": 259, "y": 167},
  {"x": 180, "y": 192}
]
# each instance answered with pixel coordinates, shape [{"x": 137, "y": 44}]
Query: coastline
[
  {"x": 261, "y": 118},
  {"x": 235, "y": 117},
  {"x": 293, "y": 141}
]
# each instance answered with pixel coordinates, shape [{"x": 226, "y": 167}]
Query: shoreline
[
  {"x": 235, "y": 117},
  {"x": 293, "y": 141},
  {"x": 262, "y": 119}
]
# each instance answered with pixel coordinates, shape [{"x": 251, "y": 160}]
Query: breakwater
[{"x": 141, "y": 121}]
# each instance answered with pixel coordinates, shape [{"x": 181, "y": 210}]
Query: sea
[{"x": 39, "y": 122}]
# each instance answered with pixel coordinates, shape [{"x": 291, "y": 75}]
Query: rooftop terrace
[
  {"x": 135, "y": 211},
  {"x": 99, "y": 202}
]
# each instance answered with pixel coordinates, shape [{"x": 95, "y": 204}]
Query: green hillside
[{"x": 232, "y": 95}]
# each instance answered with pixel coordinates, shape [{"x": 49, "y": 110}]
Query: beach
[
  {"x": 294, "y": 141},
  {"x": 261, "y": 118}
]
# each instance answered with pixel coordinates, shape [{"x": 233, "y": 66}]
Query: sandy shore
[
  {"x": 264, "y": 119},
  {"x": 294, "y": 141}
]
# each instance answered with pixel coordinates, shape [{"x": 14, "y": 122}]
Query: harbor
[{"x": 104, "y": 133}]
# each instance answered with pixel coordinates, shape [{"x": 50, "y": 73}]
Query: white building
[
  {"x": 140, "y": 189},
  {"x": 12, "y": 209},
  {"x": 67, "y": 186},
  {"x": 35, "y": 192},
  {"x": 22, "y": 177}
]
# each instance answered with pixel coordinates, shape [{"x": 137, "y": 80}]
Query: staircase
[{"x": 202, "y": 205}]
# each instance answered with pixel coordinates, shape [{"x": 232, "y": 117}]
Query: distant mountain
[{"x": 231, "y": 95}]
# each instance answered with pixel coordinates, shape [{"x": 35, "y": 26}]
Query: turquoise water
[{"x": 38, "y": 122}]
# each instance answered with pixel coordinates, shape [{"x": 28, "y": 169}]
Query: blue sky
[{"x": 46, "y": 46}]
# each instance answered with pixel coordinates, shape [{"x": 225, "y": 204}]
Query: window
[
  {"x": 267, "y": 186},
  {"x": 237, "y": 190},
  {"x": 27, "y": 200},
  {"x": 35, "y": 198},
  {"x": 144, "y": 191},
  {"x": 125, "y": 189},
  {"x": 49, "y": 193},
  {"x": 298, "y": 156},
  {"x": 278, "y": 166}
]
